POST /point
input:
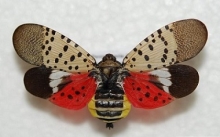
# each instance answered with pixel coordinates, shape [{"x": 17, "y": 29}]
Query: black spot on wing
[
  {"x": 60, "y": 55},
  {"x": 62, "y": 36},
  {"x": 166, "y": 27},
  {"x": 70, "y": 96},
  {"x": 52, "y": 39},
  {"x": 68, "y": 40},
  {"x": 140, "y": 52},
  {"x": 53, "y": 32},
  {"x": 150, "y": 47},
  {"x": 146, "y": 40},
  {"x": 65, "y": 48},
  {"x": 159, "y": 31},
  {"x": 147, "y": 95},
  {"x": 146, "y": 57}
]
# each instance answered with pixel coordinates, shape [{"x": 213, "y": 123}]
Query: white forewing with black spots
[
  {"x": 156, "y": 50},
  {"x": 40, "y": 45},
  {"x": 173, "y": 43},
  {"x": 62, "y": 53}
]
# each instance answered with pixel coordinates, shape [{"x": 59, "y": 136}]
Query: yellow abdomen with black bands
[{"x": 109, "y": 110}]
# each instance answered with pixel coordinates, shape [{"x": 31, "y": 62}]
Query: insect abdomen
[{"x": 109, "y": 107}]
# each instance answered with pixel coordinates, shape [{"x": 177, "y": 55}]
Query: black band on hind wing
[
  {"x": 37, "y": 81},
  {"x": 184, "y": 80}
]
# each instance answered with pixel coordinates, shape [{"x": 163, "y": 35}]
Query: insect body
[
  {"x": 149, "y": 76},
  {"x": 110, "y": 102}
]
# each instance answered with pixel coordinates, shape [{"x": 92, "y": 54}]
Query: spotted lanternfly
[{"x": 149, "y": 76}]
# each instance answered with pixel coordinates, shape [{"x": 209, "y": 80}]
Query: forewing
[
  {"x": 72, "y": 91},
  {"x": 159, "y": 87},
  {"x": 173, "y": 43},
  {"x": 39, "y": 45}
]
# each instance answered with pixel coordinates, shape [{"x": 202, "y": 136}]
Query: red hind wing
[
  {"x": 144, "y": 94},
  {"x": 157, "y": 88},
  {"x": 77, "y": 93},
  {"x": 67, "y": 90}
]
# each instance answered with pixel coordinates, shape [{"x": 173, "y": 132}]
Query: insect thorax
[
  {"x": 109, "y": 102},
  {"x": 109, "y": 65}
]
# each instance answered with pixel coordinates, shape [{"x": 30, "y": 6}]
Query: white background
[{"x": 100, "y": 27}]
